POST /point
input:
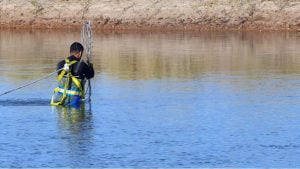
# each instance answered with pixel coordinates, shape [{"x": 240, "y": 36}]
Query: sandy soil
[{"x": 152, "y": 14}]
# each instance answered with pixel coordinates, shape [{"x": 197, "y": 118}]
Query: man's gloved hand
[{"x": 66, "y": 67}]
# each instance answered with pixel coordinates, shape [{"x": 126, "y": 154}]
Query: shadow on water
[{"x": 25, "y": 102}]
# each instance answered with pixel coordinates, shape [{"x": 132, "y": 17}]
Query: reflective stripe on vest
[{"x": 69, "y": 92}]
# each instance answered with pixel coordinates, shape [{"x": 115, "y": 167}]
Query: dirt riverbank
[{"x": 152, "y": 14}]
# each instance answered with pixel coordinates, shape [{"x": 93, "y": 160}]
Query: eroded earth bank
[{"x": 152, "y": 14}]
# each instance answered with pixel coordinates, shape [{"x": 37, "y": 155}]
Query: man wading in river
[{"x": 71, "y": 78}]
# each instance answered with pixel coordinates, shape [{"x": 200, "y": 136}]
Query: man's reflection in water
[
  {"x": 76, "y": 124},
  {"x": 76, "y": 119}
]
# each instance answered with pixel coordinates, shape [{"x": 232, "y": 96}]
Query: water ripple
[{"x": 25, "y": 102}]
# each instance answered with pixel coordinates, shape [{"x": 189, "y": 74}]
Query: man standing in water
[{"x": 72, "y": 74}]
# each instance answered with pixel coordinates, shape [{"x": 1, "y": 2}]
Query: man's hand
[{"x": 66, "y": 67}]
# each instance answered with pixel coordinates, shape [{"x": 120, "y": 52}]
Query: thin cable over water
[
  {"x": 31, "y": 83},
  {"x": 86, "y": 37}
]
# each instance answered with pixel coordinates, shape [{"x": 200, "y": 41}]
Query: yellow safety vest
[{"x": 66, "y": 85}]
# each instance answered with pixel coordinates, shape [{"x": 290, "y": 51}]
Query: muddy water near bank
[{"x": 159, "y": 100}]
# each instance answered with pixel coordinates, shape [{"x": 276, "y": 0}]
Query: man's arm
[{"x": 88, "y": 70}]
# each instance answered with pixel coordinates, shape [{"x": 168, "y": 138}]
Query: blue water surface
[{"x": 195, "y": 100}]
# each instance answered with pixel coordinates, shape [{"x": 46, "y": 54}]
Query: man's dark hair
[{"x": 76, "y": 47}]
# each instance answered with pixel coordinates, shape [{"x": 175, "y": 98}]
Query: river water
[{"x": 210, "y": 99}]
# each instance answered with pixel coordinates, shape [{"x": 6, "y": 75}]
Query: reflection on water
[
  {"x": 73, "y": 117},
  {"x": 76, "y": 127},
  {"x": 210, "y": 99},
  {"x": 146, "y": 55},
  {"x": 190, "y": 55}
]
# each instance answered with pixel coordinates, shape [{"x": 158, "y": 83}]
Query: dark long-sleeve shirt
[{"x": 79, "y": 69}]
